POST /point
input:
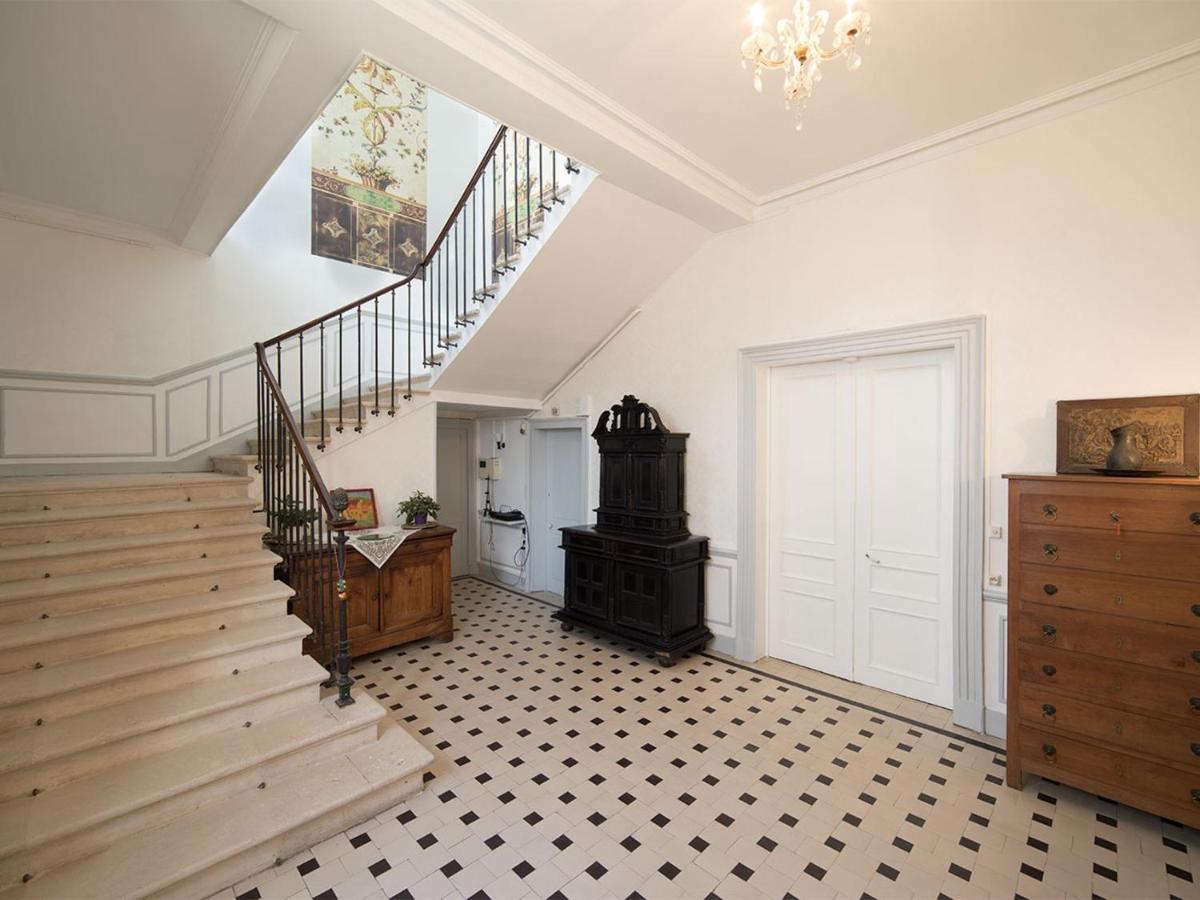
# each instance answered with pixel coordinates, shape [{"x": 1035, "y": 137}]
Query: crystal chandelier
[{"x": 798, "y": 51}]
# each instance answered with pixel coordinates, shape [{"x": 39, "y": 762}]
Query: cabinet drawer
[
  {"x": 639, "y": 552},
  {"x": 1164, "y": 556},
  {"x": 1175, "y": 742},
  {"x": 1166, "y": 784},
  {"x": 1137, "y": 688},
  {"x": 1148, "y": 508},
  {"x": 592, "y": 543},
  {"x": 1153, "y": 599},
  {"x": 1127, "y": 640}
]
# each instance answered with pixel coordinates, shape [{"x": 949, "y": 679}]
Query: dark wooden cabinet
[
  {"x": 406, "y": 600},
  {"x": 1104, "y": 637},
  {"x": 637, "y": 573}
]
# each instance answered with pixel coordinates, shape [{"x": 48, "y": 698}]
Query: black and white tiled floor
[{"x": 572, "y": 766}]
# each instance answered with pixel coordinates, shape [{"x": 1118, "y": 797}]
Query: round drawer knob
[
  {"x": 1196, "y": 609},
  {"x": 1048, "y": 751},
  {"x": 1049, "y": 511},
  {"x": 1196, "y": 795},
  {"x": 1052, "y": 589},
  {"x": 1048, "y": 710},
  {"x": 1196, "y": 656},
  {"x": 1050, "y": 551},
  {"x": 1194, "y": 703},
  {"x": 1196, "y": 749},
  {"x": 1049, "y": 631},
  {"x": 1050, "y": 670},
  {"x": 1194, "y": 518}
]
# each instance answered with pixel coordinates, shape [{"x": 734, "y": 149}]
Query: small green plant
[
  {"x": 290, "y": 513},
  {"x": 418, "y": 508}
]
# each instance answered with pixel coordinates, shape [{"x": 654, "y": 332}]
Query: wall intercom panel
[{"x": 489, "y": 467}]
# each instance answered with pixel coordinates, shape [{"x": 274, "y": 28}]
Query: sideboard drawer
[
  {"x": 1154, "y": 781},
  {"x": 1124, "y": 639},
  {"x": 1139, "y": 509},
  {"x": 1164, "y": 556},
  {"x": 573, "y": 540},
  {"x": 1137, "y": 688},
  {"x": 1153, "y": 599},
  {"x": 1176, "y": 742}
]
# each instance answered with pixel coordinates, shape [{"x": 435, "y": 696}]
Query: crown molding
[
  {"x": 47, "y": 215},
  {"x": 458, "y": 24},
  {"x": 1118, "y": 82}
]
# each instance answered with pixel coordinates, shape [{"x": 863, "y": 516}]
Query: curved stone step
[
  {"x": 90, "y": 522},
  {"x": 65, "y": 748},
  {"x": 51, "y": 560},
  {"x": 86, "y": 815},
  {"x": 221, "y": 843},
  {"x": 72, "y": 687},
  {"x": 55, "y": 639},
  {"x": 33, "y": 598},
  {"x": 59, "y": 492}
]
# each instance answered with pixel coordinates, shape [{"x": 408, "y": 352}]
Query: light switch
[{"x": 997, "y": 531}]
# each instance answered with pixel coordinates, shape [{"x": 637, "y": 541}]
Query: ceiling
[{"x": 932, "y": 66}]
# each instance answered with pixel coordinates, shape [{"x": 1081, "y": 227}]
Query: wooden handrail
[{"x": 420, "y": 267}]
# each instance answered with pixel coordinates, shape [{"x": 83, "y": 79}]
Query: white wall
[
  {"x": 1078, "y": 239},
  {"x": 75, "y": 303}
]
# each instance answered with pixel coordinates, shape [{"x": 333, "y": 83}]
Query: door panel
[
  {"x": 638, "y": 597},
  {"x": 587, "y": 586},
  {"x": 904, "y": 470},
  {"x": 454, "y": 474},
  {"x": 564, "y": 485},
  {"x": 811, "y": 537}
]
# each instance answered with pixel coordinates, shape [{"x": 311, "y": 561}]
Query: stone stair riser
[
  {"x": 56, "y": 771},
  {"x": 94, "y": 836},
  {"x": 200, "y": 547},
  {"x": 62, "y": 650},
  {"x": 121, "y": 526},
  {"x": 25, "y": 714},
  {"x": 29, "y": 609},
  {"x": 194, "y": 492}
]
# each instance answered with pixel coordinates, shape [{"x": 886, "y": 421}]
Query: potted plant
[{"x": 418, "y": 508}]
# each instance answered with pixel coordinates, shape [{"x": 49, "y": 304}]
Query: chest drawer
[
  {"x": 1162, "y": 783},
  {"x": 1136, "y": 688},
  {"x": 1176, "y": 742},
  {"x": 1151, "y": 599},
  {"x": 1176, "y": 558},
  {"x": 1127, "y": 640},
  {"x": 1137, "y": 508}
]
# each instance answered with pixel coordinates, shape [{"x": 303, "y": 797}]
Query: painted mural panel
[{"x": 369, "y": 171}]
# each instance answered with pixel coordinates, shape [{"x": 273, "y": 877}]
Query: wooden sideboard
[
  {"x": 405, "y": 600},
  {"x": 1104, "y": 637}
]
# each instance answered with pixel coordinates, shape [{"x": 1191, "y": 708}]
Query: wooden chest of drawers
[{"x": 1104, "y": 638}]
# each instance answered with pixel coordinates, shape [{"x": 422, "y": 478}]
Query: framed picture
[
  {"x": 362, "y": 508},
  {"x": 1166, "y": 431}
]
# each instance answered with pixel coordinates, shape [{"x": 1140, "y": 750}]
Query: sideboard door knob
[
  {"x": 1194, "y": 703},
  {"x": 1050, "y": 551},
  {"x": 1050, "y": 751},
  {"x": 1196, "y": 795},
  {"x": 1048, "y": 710},
  {"x": 1194, "y": 518},
  {"x": 1196, "y": 749},
  {"x": 1050, "y": 670},
  {"x": 1052, "y": 589},
  {"x": 1050, "y": 511},
  {"x": 1196, "y": 609},
  {"x": 1049, "y": 631},
  {"x": 1196, "y": 656}
]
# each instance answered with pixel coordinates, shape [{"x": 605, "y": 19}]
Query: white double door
[{"x": 861, "y": 507}]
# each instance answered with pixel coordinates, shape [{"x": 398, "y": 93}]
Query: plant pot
[{"x": 419, "y": 519}]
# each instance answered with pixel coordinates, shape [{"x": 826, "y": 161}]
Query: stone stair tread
[
  {"x": 86, "y": 802},
  {"x": 33, "y": 588},
  {"x": 33, "y": 684},
  {"x": 154, "y": 860},
  {"x": 57, "y": 549},
  {"x": 28, "y": 484},
  {"x": 65, "y": 627},
  {"x": 58, "y": 738},
  {"x": 80, "y": 513}
]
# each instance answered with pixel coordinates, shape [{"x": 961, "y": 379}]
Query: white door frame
[
  {"x": 965, "y": 337},
  {"x": 467, "y": 427},
  {"x": 537, "y": 506}
]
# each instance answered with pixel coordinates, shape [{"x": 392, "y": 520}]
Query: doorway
[
  {"x": 860, "y": 520},
  {"x": 557, "y": 494},
  {"x": 454, "y": 473}
]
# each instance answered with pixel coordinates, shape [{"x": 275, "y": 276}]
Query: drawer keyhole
[
  {"x": 1050, "y": 551},
  {"x": 1049, "y": 710},
  {"x": 1050, "y": 670},
  {"x": 1052, "y": 589},
  {"x": 1050, "y": 511}
]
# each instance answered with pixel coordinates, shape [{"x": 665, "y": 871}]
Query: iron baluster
[
  {"x": 300, "y": 345},
  {"x": 340, "y": 524},
  {"x": 341, "y": 380},
  {"x": 408, "y": 396},
  {"x": 358, "y": 354},
  {"x": 392, "y": 410},
  {"x": 321, "y": 445},
  {"x": 375, "y": 402},
  {"x": 528, "y": 193}
]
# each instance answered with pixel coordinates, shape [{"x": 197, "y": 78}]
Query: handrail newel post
[{"x": 339, "y": 524}]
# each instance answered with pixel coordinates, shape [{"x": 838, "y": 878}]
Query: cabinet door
[
  {"x": 362, "y": 600},
  {"x": 414, "y": 589},
  {"x": 645, "y": 481},
  {"x": 587, "y": 585},
  {"x": 638, "y": 598},
  {"x": 613, "y": 478}
]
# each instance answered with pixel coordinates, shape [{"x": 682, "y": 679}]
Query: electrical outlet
[
  {"x": 995, "y": 580},
  {"x": 996, "y": 531}
]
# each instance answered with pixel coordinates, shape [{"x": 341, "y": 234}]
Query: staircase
[{"x": 160, "y": 730}]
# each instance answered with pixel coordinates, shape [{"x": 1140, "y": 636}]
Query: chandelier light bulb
[{"x": 757, "y": 16}]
